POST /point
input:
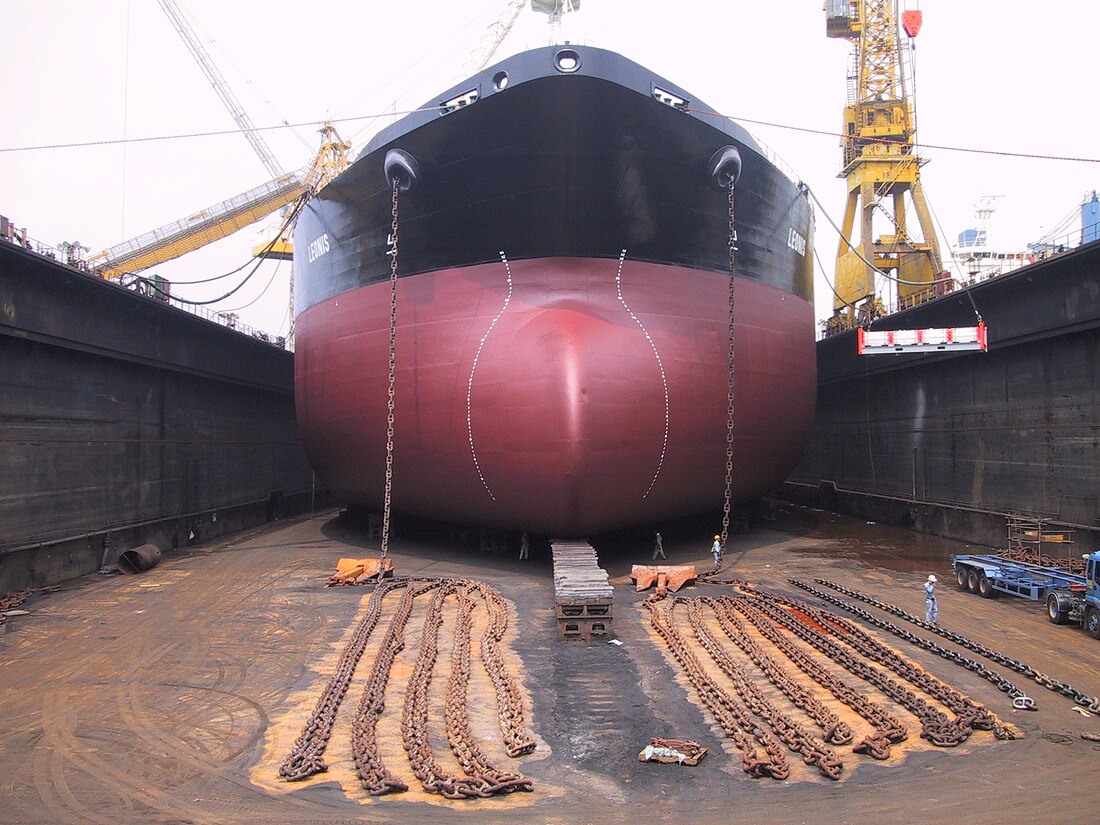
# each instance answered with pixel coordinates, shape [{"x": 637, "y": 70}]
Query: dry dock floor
[{"x": 173, "y": 696}]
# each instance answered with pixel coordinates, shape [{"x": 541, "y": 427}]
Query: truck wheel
[
  {"x": 972, "y": 581},
  {"x": 960, "y": 577},
  {"x": 1092, "y": 622},
  {"x": 985, "y": 587},
  {"x": 1055, "y": 615}
]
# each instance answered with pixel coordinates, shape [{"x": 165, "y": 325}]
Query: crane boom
[
  {"x": 223, "y": 219},
  {"x": 202, "y": 57},
  {"x": 201, "y": 228}
]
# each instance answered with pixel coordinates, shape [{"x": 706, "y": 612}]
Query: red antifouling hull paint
[{"x": 556, "y": 395}]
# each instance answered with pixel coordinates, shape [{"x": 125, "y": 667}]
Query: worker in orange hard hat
[{"x": 716, "y": 551}]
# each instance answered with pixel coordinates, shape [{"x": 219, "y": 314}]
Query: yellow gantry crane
[{"x": 880, "y": 163}]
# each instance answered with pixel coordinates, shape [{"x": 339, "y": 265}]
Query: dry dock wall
[
  {"x": 951, "y": 443},
  {"x": 124, "y": 420}
]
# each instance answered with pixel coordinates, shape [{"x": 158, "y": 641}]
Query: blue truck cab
[{"x": 1080, "y": 603}]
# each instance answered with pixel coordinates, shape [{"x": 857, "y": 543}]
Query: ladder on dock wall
[
  {"x": 582, "y": 592},
  {"x": 1029, "y": 536}
]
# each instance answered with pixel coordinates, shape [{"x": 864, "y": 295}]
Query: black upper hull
[{"x": 579, "y": 164}]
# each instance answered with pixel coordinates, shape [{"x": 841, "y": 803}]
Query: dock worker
[
  {"x": 524, "y": 546},
  {"x": 716, "y": 551},
  {"x": 931, "y": 611},
  {"x": 658, "y": 549}
]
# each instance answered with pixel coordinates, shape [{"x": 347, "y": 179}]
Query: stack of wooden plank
[{"x": 582, "y": 592}]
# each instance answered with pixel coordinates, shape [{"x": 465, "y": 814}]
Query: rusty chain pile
[
  {"x": 836, "y": 731},
  {"x": 414, "y": 720},
  {"x": 888, "y": 729},
  {"x": 517, "y": 740},
  {"x": 732, "y": 716},
  {"x": 482, "y": 778},
  {"x": 462, "y": 743},
  {"x": 794, "y": 736},
  {"x": 781, "y": 620},
  {"x": 11, "y": 601},
  {"x": 1020, "y": 700},
  {"x": 1070, "y": 564},
  {"x": 1090, "y": 703},
  {"x": 364, "y": 728},
  {"x": 307, "y": 756},
  {"x": 936, "y": 727}
]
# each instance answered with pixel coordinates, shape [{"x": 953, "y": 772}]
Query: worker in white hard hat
[
  {"x": 716, "y": 551},
  {"x": 931, "y": 611}
]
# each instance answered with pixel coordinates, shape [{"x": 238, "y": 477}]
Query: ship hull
[
  {"x": 555, "y": 395},
  {"x": 554, "y": 392}
]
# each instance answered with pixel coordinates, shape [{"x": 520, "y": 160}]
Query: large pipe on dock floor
[{"x": 139, "y": 559}]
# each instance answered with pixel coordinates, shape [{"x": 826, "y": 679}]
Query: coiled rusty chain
[
  {"x": 731, "y": 715},
  {"x": 1070, "y": 565},
  {"x": 393, "y": 377},
  {"x": 414, "y": 720},
  {"x": 968, "y": 713},
  {"x": 307, "y": 756},
  {"x": 1090, "y": 703},
  {"x": 836, "y": 731},
  {"x": 729, "y": 382},
  {"x": 484, "y": 779},
  {"x": 1021, "y": 701},
  {"x": 814, "y": 752}
]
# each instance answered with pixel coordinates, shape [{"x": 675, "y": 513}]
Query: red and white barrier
[{"x": 922, "y": 340}]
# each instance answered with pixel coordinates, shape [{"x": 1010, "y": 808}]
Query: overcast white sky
[{"x": 992, "y": 75}]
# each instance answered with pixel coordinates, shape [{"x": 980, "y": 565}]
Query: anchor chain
[
  {"x": 465, "y": 749},
  {"x": 482, "y": 779},
  {"x": 729, "y": 381},
  {"x": 888, "y": 728},
  {"x": 517, "y": 741},
  {"x": 307, "y": 756},
  {"x": 794, "y": 736},
  {"x": 1020, "y": 700},
  {"x": 393, "y": 374},
  {"x": 730, "y": 714},
  {"x": 937, "y": 728},
  {"x": 414, "y": 720},
  {"x": 364, "y": 730},
  {"x": 1090, "y": 703},
  {"x": 836, "y": 731}
]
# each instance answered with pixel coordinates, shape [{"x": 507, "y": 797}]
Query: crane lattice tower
[{"x": 880, "y": 164}]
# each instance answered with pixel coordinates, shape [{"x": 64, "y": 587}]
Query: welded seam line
[
  {"x": 470, "y": 383},
  {"x": 660, "y": 366}
]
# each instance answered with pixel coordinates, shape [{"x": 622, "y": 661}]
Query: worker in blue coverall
[{"x": 931, "y": 611}]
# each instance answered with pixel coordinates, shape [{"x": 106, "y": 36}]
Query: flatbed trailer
[
  {"x": 989, "y": 575},
  {"x": 1069, "y": 598}
]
